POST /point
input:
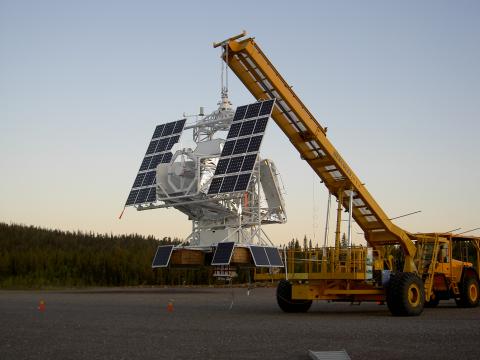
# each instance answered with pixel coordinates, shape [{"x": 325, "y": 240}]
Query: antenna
[{"x": 464, "y": 232}]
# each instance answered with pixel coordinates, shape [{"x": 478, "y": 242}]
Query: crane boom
[{"x": 252, "y": 67}]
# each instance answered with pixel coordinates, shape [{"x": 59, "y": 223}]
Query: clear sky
[{"x": 83, "y": 83}]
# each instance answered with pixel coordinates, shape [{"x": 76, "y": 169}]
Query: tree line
[{"x": 36, "y": 257}]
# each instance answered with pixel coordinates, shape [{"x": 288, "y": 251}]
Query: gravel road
[{"x": 136, "y": 324}]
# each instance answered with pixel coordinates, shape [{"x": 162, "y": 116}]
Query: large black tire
[
  {"x": 285, "y": 301},
  {"x": 469, "y": 292},
  {"x": 405, "y": 294}
]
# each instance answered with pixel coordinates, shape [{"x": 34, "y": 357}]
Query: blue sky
[{"x": 83, "y": 83}]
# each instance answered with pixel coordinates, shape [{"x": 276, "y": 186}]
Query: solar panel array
[
  {"x": 240, "y": 150},
  {"x": 158, "y": 152},
  {"x": 264, "y": 256},
  {"x": 223, "y": 253},
  {"x": 162, "y": 256}
]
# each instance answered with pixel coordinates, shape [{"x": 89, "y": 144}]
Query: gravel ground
[{"x": 135, "y": 324}]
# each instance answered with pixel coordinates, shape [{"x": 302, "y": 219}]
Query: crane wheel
[
  {"x": 405, "y": 294},
  {"x": 285, "y": 301},
  {"x": 469, "y": 292}
]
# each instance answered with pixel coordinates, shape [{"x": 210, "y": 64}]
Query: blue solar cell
[
  {"x": 152, "y": 195},
  {"x": 156, "y": 159},
  {"x": 259, "y": 255},
  {"x": 179, "y": 126},
  {"x": 228, "y": 184},
  {"x": 266, "y": 107},
  {"x": 173, "y": 140},
  {"x": 221, "y": 166},
  {"x": 168, "y": 129},
  {"x": 223, "y": 253},
  {"x": 240, "y": 113},
  {"x": 228, "y": 148},
  {"x": 167, "y": 157},
  {"x": 149, "y": 178},
  {"x": 162, "y": 145},
  {"x": 274, "y": 257},
  {"x": 247, "y": 128},
  {"x": 131, "y": 197},
  {"x": 162, "y": 256},
  {"x": 241, "y": 146},
  {"x": 242, "y": 182},
  {"x": 215, "y": 185},
  {"x": 253, "y": 110},
  {"x": 138, "y": 180},
  {"x": 260, "y": 125},
  {"x": 235, "y": 164},
  {"x": 142, "y": 196},
  {"x": 255, "y": 143},
  {"x": 152, "y": 146},
  {"x": 234, "y": 130},
  {"x": 249, "y": 162},
  {"x": 145, "y": 163},
  {"x": 158, "y": 131}
]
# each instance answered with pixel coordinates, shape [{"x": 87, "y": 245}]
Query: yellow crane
[{"x": 429, "y": 272}]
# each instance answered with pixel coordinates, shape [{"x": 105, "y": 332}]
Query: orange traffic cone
[
  {"x": 41, "y": 306},
  {"x": 170, "y": 306}
]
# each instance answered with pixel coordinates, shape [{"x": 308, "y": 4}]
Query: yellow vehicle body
[{"x": 341, "y": 274}]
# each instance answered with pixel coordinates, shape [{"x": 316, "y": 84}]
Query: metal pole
[
  {"x": 338, "y": 227},
  {"x": 325, "y": 240},
  {"x": 350, "y": 207}
]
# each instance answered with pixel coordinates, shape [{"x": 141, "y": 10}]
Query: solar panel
[
  {"x": 274, "y": 257},
  {"x": 241, "y": 146},
  {"x": 149, "y": 178},
  {"x": 221, "y": 166},
  {"x": 228, "y": 148},
  {"x": 142, "y": 196},
  {"x": 158, "y": 131},
  {"x": 165, "y": 136},
  {"x": 223, "y": 253},
  {"x": 247, "y": 128},
  {"x": 215, "y": 185},
  {"x": 131, "y": 197},
  {"x": 145, "y": 163},
  {"x": 242, "y": 182},
  {"x": 239, "y": 153},
  {"x": 249, "y": 162},
  {"x": 156, "y": 159},
  {"x": 152, "y": 195},
  {"x": 168, "y": 130},
  {"x": 228, "y": 184},
  {"x": 240, "y": 113},
  {"x": 234, "y": 165},
  {"x": 234, "y": 130},
  {"x": 162, "y": 256},
  {"x": 152, "y": 146},
  {"x": 260, "y": 125},
  {"x": 253, "y": 110},
  {"x": 179, "y": 125},
  {"x": 259, "y": 255},
  {"x": 167, "y": 157},
  {"x": 267, "y": 107}
]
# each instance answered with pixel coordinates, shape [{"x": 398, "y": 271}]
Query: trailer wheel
[
  {"x": 285, "y": 301},
  {"x": 469, "y": 293},
  {"x": 405, "y": 294}
]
